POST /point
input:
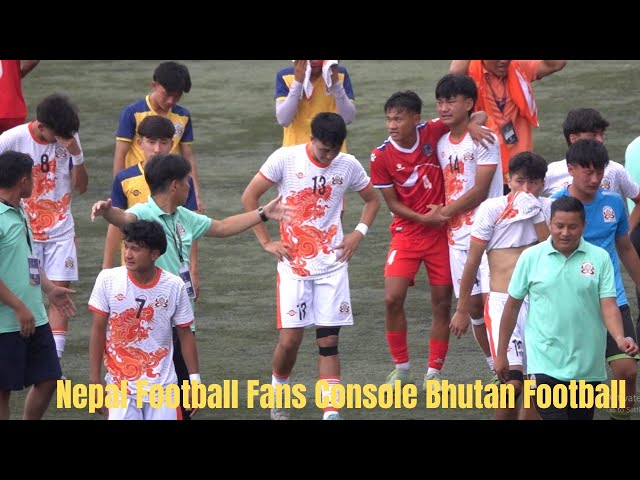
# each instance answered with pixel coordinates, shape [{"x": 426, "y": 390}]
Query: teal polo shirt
[
  {"x": 14, "y": 268},
  {"x": 181, "y": 227},
  {"x": 565, "y": 335}
]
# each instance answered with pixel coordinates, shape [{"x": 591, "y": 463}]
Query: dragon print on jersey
[
  {"x": 123, "y": 360},
  {"x": 305, "y": 239}
]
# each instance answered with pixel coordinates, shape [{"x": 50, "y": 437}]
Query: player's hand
[
  {"x": 279, "y": 249},
  {"x": 348, "y": 246},
  {"x": 299, "y": 70},
  {"x": 277, "y": 210},
  {"x": 501, "y": 368},
  {"x": 26, "y": 320},
  {"x": 334, "y": 74},
  {"x": 59, "y": 298},
  {"x": 628, "y": 346},
  {"x": 434, "y": 217},
  {"x": 70, "y": 144},
  {"x": 100, "y": 208},
  {"x": 459, "y": 324},
  {"x": 480, "y": 134}
]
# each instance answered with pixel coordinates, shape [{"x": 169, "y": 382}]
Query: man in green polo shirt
[
  {"x": 168, "y": 178},
  {"x": 27, "y": 349},
  {"x": 572, "y": 304}
]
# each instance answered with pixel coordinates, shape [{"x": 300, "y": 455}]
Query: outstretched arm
[
  {"x": 547, "y": 67},
  {"x": 459, "y": 67}
]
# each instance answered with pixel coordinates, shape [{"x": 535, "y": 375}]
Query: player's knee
[
  {"x": 516, "y": 378},
  {"x": 324, "y": 332},
  {"x": 328, "y": 351},
  {"x": 477, "y": 321}
]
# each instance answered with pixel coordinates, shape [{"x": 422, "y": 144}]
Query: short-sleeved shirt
[
  {"x": 299, "y": 131},
  {"x": 12, "y": 104},
  {"x": 615, "y": 178},
  {"x": 522, "y": 127},
  {"x": 181, "y": 227},
  {"x": 133, "y": 114},
  {"x": 459, "y": 162},
  {"x": 14, "y": 268},
  {"x": 139, "y": 343},
  {"x": 415, "y": 175},
  {"x": 130, "y": 187},
  {"x": 316, "y": 193},
  {"x": 565, "y": 335},
  {"x": 606, "y": 221},
  {"x": 508, "y": 221},
  {"x": 49, "y": 206},
  {"x": 632, "y": 164}
]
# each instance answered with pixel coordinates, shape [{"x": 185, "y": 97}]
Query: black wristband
[{"x": 263, "y": 216}]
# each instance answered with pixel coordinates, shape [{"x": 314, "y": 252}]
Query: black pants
[
  {"x": 567, "y": 413},
  {"x": 635, "y": 240},
  {"x": 181, "y": 369}
]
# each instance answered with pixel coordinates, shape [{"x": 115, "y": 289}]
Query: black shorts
[
  {"x": 28, "y": 361},
  {"x": 613, "y": 352}
]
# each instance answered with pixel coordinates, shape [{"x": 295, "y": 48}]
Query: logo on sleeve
[
  {"x": 608, "y": 214},
  {"x": 587, "y": 269}
]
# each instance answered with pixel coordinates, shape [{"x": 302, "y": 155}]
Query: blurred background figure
[{"x": 13, "y": 108}]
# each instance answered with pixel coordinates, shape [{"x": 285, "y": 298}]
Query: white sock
[
  {"x": 403, "y": 366},
  {"x": 61, "y": 339},
  {"x": 432, "y": 370},
  {"x": 490, "y": 363},
  {"x": 279, "y": 380}
]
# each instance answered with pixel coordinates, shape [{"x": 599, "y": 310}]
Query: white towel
[{"x": 307, "y": 86}]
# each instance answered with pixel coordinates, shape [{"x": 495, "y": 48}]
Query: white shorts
[
  {"x": 457, "y": 259},
  {"x": 147, "y": 412},
  {"x": 59, "y": 260},
  {"x": 324, "y": 302},
  {"x": 492, "y": 315}
]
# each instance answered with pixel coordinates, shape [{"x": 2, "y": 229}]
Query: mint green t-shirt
[
  {"x": 181, "y": 227},
  {"x": 565, "y": 335},
  {"x": 632, "y": 165},
  {"x": 14, "y": 268}
]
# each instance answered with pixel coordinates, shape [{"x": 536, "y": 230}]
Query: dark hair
[
  {"x": 588, "y": 153},
  {"x": 583, "y": 120},
  {"x": 173, "y": 76},
  {"x": 453, "y": 85},
  {"x": 568, "y": 204},
  {"x": 531, "y": 165},
  {"x": 59, "y": 114},
  {"x": 155, "y": 126},
  {"x": 407, "y": 101},
  {"x": 13, "y": 166},
  {"x": 147, "y": 233},
  {"x": 329, "y": 128},
  {"x": 162, "y": 169}
]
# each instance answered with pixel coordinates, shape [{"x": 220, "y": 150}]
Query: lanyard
[
  {"x": 500, "y": 102},
  {"x": 24, "y": 220},
  {"x": 177, "y": 240}
]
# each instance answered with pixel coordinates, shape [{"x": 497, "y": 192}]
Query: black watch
[{"x": 263, "y": 215}]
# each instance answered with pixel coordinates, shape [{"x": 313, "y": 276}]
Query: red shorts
[{"x": 406, "y": 255}]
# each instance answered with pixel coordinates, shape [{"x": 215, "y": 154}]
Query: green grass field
[{"x": 235, "y": 130}]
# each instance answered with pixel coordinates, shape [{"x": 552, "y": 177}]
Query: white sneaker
[{"x": 431, "y": 376}]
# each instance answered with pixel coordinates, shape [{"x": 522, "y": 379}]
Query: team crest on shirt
[
  {"x": 399, "y": 167},
  {"x": 608, "y": 214},
  {"x": 161, "y": 302},
  {"x": 61, "y": 152},
  {"x": 120, "y": 297},
  {"x": 427, "y": 150},
  {"x": 606, "y": 183},
  {"x": 179, "y": 129},
  {"x": 468, "y": 156},
  {"x": 299, "y": 174},
  {"x": 587, "y": 269},
  {"x": 337, "y": 180},
  {"x": 136, "y": 192},
  {"x": 345, "y": 307},
  {"x": 69, "y": 263}
]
